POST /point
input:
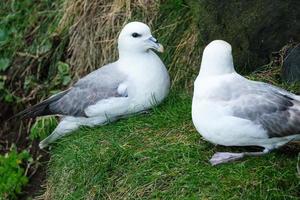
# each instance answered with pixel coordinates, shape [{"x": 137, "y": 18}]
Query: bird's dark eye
[{"x": 135, "y": 35}]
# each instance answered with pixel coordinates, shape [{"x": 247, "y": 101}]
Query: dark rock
[
  {"x": 255, "y": 28},
  {"x": 291, "y": 65}
]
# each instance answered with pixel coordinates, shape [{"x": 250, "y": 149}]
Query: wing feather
[
  {"x": 98, "y": 85},
  {"x": 275, "y": 109}
]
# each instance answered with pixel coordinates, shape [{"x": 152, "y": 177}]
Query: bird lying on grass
[
  {"x": 137, "y": 81},
  {"x": 231, "y": 110}
]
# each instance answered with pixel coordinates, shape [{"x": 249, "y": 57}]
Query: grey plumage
[
  {"x": 100, "y": 84},
  {"x": 276, "y": 110},
  {"x": 231, "y": 110},
  {"x": 40, "y": 109}
]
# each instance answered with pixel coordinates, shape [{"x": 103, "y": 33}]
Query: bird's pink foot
[{"x": 225, "y": 157}]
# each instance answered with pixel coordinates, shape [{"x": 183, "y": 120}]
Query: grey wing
[
  {"x": 98, "y": 85},
  {"x": 276, "y": 110}
]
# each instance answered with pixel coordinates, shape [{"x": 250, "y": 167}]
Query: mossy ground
[{"x": 161, "y": 156}]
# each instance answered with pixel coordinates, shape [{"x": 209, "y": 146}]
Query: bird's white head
[
  {"x": 217, "y": 59},
  {"x": 136, "y": 37}
]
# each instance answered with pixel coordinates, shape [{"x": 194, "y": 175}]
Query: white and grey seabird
[
  {"x": 231, "y": 110},
  {"x": 137, "y": 81}
]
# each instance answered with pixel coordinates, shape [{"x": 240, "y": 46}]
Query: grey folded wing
[
  {"x": 98, "y": 85},
  {"x": 275, "y": 109}
]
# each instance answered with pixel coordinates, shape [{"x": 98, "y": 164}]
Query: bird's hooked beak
[{"x": 155, "y": 45}]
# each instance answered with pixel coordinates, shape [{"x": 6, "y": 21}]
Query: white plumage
[
  {"x": 137, "y": 81},
  {"x": 231, "y": 110}
]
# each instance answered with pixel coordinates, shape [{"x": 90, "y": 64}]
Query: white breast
[
  {"x": 213, "y": 120},
  {"x": 148, "y": 80}
]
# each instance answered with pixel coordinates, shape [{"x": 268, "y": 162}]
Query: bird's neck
[
  {"x": 212, "y": 66},
  {"x": 127, "y": 54},
  {"x": 135, "y": 56}
]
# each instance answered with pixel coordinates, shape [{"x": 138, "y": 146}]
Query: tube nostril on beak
[
  {"x": 155, "y": 45},
  {"x": 154, "y": 40}
]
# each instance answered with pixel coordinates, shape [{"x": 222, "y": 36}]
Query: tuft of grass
[
  {"x": 31, "y": 46},
  {"x": 272, "y": 74},
  {"x": 160, "y": 156},
  {"x": 178, "y": 31},
  {"x": 42, "y": 127}
]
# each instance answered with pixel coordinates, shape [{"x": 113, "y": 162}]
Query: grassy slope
[{"x": 161, "y": 156}]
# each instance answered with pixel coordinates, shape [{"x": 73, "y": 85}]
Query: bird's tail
[{"x": 40, "y": 109}]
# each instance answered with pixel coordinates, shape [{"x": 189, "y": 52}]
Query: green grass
[{"x": 161, "y": 156}]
